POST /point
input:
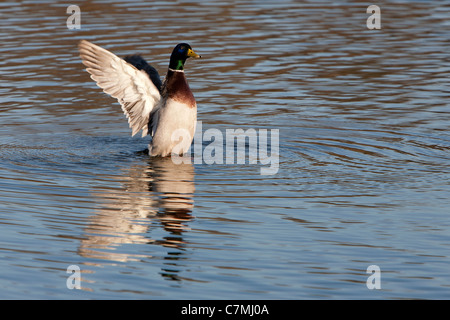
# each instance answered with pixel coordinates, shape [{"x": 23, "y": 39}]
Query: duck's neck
[
  {"x": 175, "y": 70},
  {"x": 177, "y": 64}
]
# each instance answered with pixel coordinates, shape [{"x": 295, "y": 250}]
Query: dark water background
[{"x": 364, "y": 163}]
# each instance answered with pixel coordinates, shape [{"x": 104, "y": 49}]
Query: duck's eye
[{"x": 182, "y": 49}]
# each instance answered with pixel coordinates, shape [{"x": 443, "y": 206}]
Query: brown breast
[{"x": 177, "y": 88}]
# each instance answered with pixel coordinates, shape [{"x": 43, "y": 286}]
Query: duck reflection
[{"x": 154, "y": 194}]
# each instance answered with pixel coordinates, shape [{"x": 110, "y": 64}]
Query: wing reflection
[{"x": 153, "y": 195}]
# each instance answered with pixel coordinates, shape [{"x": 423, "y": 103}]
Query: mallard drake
[{"x": 165, "y": 110}]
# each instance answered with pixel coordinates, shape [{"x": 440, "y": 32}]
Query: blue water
[{"x": 363, "y": 176}]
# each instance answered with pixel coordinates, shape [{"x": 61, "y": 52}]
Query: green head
[{"x": 179, "y": 55}]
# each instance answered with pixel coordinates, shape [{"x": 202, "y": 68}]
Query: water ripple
[{"x": 364, "y": 145}]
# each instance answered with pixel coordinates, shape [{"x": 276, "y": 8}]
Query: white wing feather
[{"x": 133, "y": 88}]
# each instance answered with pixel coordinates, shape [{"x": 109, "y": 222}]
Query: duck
[{"x": 165, "y": 110}]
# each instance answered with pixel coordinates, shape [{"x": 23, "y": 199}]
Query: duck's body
[
  {"x": 175, "y": 119},
  {"x": 165, "y": 110}
]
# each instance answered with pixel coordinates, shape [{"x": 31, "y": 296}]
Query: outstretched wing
[
  {"x": 139, "y": 63},
  {"x": 133, "y": 88}
]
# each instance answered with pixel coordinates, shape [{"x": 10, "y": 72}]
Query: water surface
[{"x": 364, "y": 160}]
